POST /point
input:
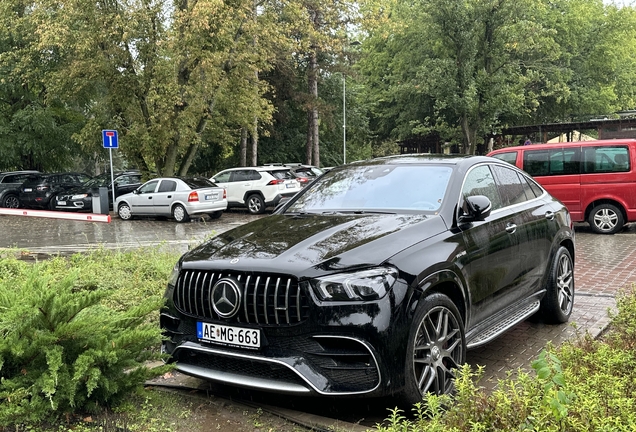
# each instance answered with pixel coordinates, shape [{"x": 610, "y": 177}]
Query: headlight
[
  {"x": 363, "y": 285},
  {"x": 79, "y": 196},
  {"x": 172, "y": 280}
]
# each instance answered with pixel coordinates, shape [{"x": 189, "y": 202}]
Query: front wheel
[
  {"x": 606, "y": 219},
  {"x": 180, "y": 214},
  {"x": 557, "y": 304},
  {"x": 124, "y": 211},
  {"x": 255, "y": 204},
  {"x": 11, "y": 201},
  {"x": 436, "y": 349}
]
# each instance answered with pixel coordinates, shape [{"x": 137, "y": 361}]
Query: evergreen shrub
[{"x": 77, "y": 333}]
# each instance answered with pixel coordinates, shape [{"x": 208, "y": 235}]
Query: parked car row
[{"x": 252, "y": 188}]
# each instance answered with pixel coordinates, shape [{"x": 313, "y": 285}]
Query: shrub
[{"x": 65, "y": 345}]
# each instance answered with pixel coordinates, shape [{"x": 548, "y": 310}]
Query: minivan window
[
  {"x": 552, "y": 162},
  {"x": 510, "y": 157},
  {"x": 605, "y": 159}
]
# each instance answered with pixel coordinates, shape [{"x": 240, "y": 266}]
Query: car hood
[{"x": 307, "y": 245}]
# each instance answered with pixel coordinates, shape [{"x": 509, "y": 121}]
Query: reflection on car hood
[{"x": 298, "y": 244}]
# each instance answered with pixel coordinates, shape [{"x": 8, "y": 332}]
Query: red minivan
[{"x": 596, "y": 180}]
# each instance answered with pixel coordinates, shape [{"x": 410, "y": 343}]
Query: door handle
[
  {"x": 549, "y": 215},
  {"x": 511, "y": 228},
  {"x": 169, "y": 196},
  {"x": 149, "y": 197}
]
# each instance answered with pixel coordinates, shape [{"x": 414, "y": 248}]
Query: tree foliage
[{"x": 467, "y": 68}]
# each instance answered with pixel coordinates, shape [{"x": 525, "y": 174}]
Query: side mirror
[
  {"x": 136, "y": 191},
  {"x": 475, "y": 208}
]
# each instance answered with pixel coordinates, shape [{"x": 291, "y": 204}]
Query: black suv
[
  {"x": 373, "y": 280},
  {"x": 38, "y": 189},
  {"x": 10, "y": 183},
  {"x": 81, "y": 198}
]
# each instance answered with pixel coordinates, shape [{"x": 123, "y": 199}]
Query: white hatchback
[
  {"x": 257, "y": 188},
  {"x": 178, "y": 198}
]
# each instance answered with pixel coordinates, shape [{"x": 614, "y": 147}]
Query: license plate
[
  {"x": 212, "y": 197},
  {"x": 290, "y": 185},
  {"x": 229, "y": 335},
  {"x": 61, "y": 203},
  {"x": 28, "y": 190}
]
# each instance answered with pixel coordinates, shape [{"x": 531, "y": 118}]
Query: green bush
[
  {"x": 76, "y": 333},
  {"x": 585, "y": 385}
]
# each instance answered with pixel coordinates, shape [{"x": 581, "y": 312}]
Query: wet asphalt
[{"x": 604, "y": 265}]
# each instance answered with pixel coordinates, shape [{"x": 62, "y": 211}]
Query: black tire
[
  {"x": 255, "y": 204},
  {"x": 436, "y": 349},
  {"x": 558, "y": 302},
  {"x": 51, "y": 203},
  {"x": 606, "y": 219},
  {"x": 180, "y": 214},
  {"x": 216, "y": 214},
  {"x": 124, "y": 211},
  {"x": 11, "y": 201}
]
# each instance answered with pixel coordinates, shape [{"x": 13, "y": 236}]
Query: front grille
[{"x": 267, "y": 299}]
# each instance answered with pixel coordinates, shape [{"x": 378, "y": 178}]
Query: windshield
[
  {"x": 102, "y": 180},
  {"x": 376, "y": 188}
]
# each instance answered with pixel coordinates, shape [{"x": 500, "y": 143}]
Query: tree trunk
[
  {"x": 310, "y": 138},
  {"x": 255, "y": 143},
  {"x": 314, "y": 124},
  {"x": 243, "y": 147}
]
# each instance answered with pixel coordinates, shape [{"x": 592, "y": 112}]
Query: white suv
[{"x": 257, "y": 188}]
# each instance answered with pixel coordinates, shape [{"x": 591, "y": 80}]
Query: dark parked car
[
  {"x": 81, "y": 198},
  {"x": 374, "y": 280},
  {"x": 38, "y": 189},
  {"x": 10, "y": 183}
]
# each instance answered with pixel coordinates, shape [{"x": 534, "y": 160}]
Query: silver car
[{"x": 179, "y": 198}]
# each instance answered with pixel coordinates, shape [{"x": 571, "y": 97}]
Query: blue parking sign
[{"x": 109, "y": 138}]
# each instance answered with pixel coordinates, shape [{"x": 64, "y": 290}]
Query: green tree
[
  {"x": 36, "y": 127},
  {"x": 460, "y": 67}
]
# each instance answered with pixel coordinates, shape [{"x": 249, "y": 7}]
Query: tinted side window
[
  {"x": 559, "y": 161},
  {"x": 531, "y": 189},
  {"x": 510, "y": 157},
  {"x": 479, "y": 181},
  {"x": 605, "y": 159},
  {"x": 510, "y": 187},
  {"x": 167, "y": 186}
]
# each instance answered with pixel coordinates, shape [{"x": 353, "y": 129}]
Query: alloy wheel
[
  {"x": 438, "y": 351},
  {"x": 605, "y": 219},
  {"x": 565, "y": 284}
]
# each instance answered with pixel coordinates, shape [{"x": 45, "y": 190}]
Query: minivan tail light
[
  {"x": 194, "y": 196},
  {"x": 275, "y": 182},
  {"x": 224, "y": 193}
]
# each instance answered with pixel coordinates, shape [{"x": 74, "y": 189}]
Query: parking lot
[{"x": 604, "y": 264}]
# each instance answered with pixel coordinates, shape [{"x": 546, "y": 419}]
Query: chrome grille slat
[
  {"x": 287, "y": 300},
  {"x": 264, "y": 297},
  {"x": 196, "y": 285},
  {"x": 245, "y": 297},
  {"x": 258, "y": 279},
  {"x": 265, "y": 300}
]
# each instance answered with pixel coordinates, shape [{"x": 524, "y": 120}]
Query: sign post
[{"x": 110, "y": 140}]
